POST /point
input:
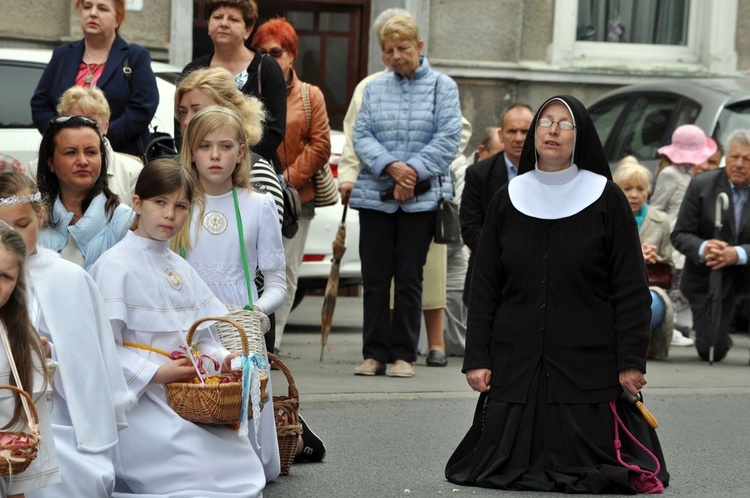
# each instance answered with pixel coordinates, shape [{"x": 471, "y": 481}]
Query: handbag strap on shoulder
[{"x": 306, "y": 105}]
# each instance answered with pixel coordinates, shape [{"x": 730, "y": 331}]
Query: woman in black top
[
  {"x": 230, "y": 23},
  {"x": 558, "y": 324}
]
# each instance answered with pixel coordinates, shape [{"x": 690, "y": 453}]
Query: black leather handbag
[{"x": 447, "y": 225}]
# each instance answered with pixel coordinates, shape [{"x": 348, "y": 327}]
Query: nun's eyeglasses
[{"x": 563, "y": 125}]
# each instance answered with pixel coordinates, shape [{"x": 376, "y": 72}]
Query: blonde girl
[
  {"x": 86, "y": 416},
  {"x": 214, "y": 150},
  {"x": 216, "y": 86},
  {"x": 29, "y": 361},
  {"x": 152, "y": 297}
]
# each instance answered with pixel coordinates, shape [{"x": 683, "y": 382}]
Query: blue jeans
[{"x": 658, "y": 310}]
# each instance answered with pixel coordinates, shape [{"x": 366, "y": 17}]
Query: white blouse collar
[{"x": 555, "y": 195}]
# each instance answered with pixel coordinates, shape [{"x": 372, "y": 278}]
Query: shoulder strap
[
  {"x": 257, "y": 75},
  {"x": 126, "y": 69},
  {"x": 306, "y": 105}
]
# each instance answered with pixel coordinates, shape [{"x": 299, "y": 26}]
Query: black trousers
[{"x": 393, "y": 246}]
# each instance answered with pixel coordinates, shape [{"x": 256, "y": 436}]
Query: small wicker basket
[
  {"x": 15, "y": 458},
  {"x": 286, "y": 414},
  {"x": 255, "y": 325},
  {"x": 218, "y": 404}
]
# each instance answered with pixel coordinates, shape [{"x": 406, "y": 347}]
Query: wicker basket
[
  {"x": 17, "y": 458},
  {"x": 255, "y": 325},
  {"x": 211, "y": 403},
  {"x": 286, "y": 414}
]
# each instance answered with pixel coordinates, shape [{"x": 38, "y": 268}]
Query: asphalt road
[{"x": 391, "y": 437}]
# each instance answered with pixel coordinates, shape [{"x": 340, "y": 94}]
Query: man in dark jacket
[
  {"x": 487, "y": 176},
  {"x": 705, "y": 252}
]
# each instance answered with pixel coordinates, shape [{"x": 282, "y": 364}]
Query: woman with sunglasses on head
[
  {"x": 230, "y": 23},
  {"x": 84, "y": 218},
  {"x": 98, "y": 61},
  {"x": 559, "y": 325},
  {"x": 305, "y": 150}
]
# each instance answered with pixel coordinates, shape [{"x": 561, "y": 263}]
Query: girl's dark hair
[
  {"x": 48, "y": 183},
  {"x": 163, "y": 176},
  {"x": 160, "y": 177},
  {"x": 23, "y": 339}
]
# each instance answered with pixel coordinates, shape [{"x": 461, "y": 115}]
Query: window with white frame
[
  {"x": 651, "y": 22},
  {"x": 625, "y": 33}
]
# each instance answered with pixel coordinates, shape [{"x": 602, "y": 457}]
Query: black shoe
[
  {"x": 436, "y": 358},
  {"x": 313, "y": 448}
]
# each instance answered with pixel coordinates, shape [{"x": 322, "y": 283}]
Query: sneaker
[
  {"x": 680, "y": 340},
  {"x": 370, "y": 367},
  {"x": 313, "y": 448},
  {"x": 402, "y": 369}
]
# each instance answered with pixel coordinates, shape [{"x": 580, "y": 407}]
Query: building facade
[{"x": 498, "y": 51}]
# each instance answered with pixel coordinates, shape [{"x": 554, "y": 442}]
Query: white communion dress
[
  {"x": 152, "y": 296},
  {"x": 216, "y": 256},
  {"x": 90, "y": 394}
]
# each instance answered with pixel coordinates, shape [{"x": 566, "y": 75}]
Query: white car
[
  {"x": 20, "y": 71},
  {"x": 316, "y": 261}
]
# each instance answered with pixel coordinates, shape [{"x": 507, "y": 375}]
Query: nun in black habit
[{"x": 558, "y": 326}]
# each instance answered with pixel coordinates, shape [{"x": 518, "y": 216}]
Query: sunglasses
[
  {"x": 74, "y": 121},
  {"x": 275, "y": 52},
  {"x": 563, "y": 125}
]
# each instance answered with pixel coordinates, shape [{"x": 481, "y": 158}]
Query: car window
[
  {"x": 605, "y": 117},
  {"x": 647, "y": 123},
  {"x": 19, "y": 83},
  {"x": 732, "y": 117}
]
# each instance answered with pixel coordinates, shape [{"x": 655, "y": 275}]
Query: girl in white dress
[
  {"x": 90, "y": 394},
  {"x": 152, "y": 296},
  {"x": 24, "y": 344},
  {"x": 214, "y": 150}
]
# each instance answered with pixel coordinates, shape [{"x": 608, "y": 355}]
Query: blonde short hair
[
  {"x": 633, "y": 173},
  {"x": 219, "y": 84},
  {"x": 90, "y": 100},
  {"x": 399, "y": 28}
]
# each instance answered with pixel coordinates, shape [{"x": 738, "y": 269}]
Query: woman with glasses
[
  {"x": 305, "y": 149},
  {"x": 98, "y": 61},
  {"x": 406, "y": 135},
  {"x": 230, "y": 23},
  {"x": 559, "y": 325},
  {"x": 84, "y": 218}
]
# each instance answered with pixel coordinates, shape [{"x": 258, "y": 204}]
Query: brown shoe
[
  {"x": 401, "y": 369},
  {"x": 370, "y": 367}
]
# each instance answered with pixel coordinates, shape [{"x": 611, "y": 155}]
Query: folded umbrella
[
  {"x": 714, "y": 280},
  {"x": 332, "y": 286}
]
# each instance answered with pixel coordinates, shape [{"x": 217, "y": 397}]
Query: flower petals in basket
[
  {"x": 19, "y": 449},
  {"x": 218, "y": 402}
]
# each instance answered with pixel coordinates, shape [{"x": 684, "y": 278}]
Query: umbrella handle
[
  {"x": 722, "y": 203},
  {"x": 345, "y": 202}
]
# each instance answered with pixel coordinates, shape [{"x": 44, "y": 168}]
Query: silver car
[{"x": 638, "y": 119}]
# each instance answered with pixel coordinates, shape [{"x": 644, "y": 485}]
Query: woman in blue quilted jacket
[{"x": 406, "y": 135}]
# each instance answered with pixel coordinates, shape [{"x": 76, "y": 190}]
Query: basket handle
[
  {"x": 275, "y": 360},
  {"x": 27, "y": 406},
  {"x": 243, "y": 337},
  {"x": 26, "y": 399}
]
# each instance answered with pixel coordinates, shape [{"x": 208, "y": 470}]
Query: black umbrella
[{"x": 714, "y": 279}]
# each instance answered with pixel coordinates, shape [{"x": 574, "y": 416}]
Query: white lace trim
[
  {"x": 271, "y": 259},
  {"x": 220, "y": 274}
]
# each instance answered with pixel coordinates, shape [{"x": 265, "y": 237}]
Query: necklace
[
  {"x": 90, "y": 76},
  {"x": 92, "y": 68}
]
